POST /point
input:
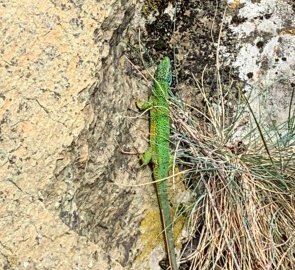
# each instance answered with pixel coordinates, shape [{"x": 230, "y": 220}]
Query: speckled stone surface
[
  {"x": 58, "y": 80},
  {"x": 265, "y": 57}
]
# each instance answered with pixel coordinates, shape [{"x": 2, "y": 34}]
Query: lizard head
[{"x": 164, "y": 71}]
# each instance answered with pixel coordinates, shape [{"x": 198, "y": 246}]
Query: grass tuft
[{"x": 241, "y": 168}]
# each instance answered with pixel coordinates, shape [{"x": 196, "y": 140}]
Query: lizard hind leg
[
  {"x": 146, "y": 157},
  {"x": 144, "y": 105}
]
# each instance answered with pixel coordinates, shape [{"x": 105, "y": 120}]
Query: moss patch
[
  {"x": 154, "y": 6},
  {"x": 152, "y": 232}
]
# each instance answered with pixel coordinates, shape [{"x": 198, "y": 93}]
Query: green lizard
[{"x": 159, "y": 151}]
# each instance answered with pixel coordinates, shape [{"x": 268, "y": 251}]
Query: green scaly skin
[{"x": 159, "y": 151}]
